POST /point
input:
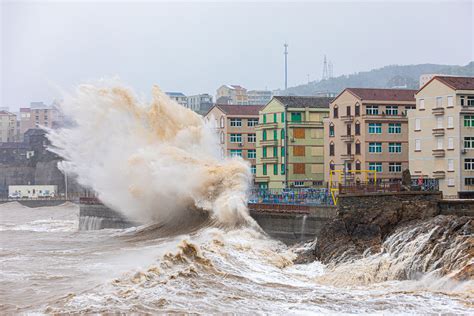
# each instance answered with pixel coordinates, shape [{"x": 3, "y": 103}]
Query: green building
[{"x": 290, "y": 142}]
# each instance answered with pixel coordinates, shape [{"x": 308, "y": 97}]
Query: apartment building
[
  {"x": 233, "y": 94},
  {"x": 441, "y": 132},
  {"x": 200, "y": 103},
  {"x": 235, "y": 126},
  {"x": 290, "y": 139},
  {"x": 178, "y": 97},
  {"x": 261, "y": 97},
  {"x": 38, "y": 114},
  {"x": 367, "y": 129},
  {"x": 8, "y": 127}
]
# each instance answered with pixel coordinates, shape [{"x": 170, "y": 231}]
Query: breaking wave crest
[{"x": 150, "y": 161}]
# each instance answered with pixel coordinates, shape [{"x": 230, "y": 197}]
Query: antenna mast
[{"x": 286, "y": 65}]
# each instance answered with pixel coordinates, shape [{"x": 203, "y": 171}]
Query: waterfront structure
[
  {"x": 290, "y": 140},
  {"x": 8, "y": 127},
  {"x": 200, "y": 103},
  {"x": 441, "y": 132},
  {"x": 235, "y": 126},
  {"x": 178, "y": 97},
  {"x": 235, "y": 94},
  {"x": 260, "y": 97},
  {"x": 37, "y": 115},
  {"x": 32, "y": 191},
  {"x": 367, "y": 129}
]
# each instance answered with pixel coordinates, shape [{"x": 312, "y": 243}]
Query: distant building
[
  {"x": 367, "y": 129},
  {"x": 290, "y": 142},
  {"x": 200, "y": 103},
  {"x": 326, "y": 94},
  {"x": 178, "y": 97},
  {"x": 32, "y": 191},
  {"x": 236, "y": 94},
  {"x": 441, "y": 133},
  {"x": 261, "y": 97},
  {"x": 8, "y": 127},
  {"x": 235, "y": 126},
  {"x": 37, "y": 115}
]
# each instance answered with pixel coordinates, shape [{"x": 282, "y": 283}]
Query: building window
[
  {"x": 375, "y": 147},
  {"x": 375, "y": 128},
  {"x": 394, "y": 128},
  {"x": 357, "y": 128},
  {"x": 422, "y": 104},
  {"x": 439, "y": 122},
  {"x": 283, "y": 117},
  {"x": 253, "y": 169},
  {"x": 440, "y": 143},
  {"x": 357, "y": 109},
  {"x": 282, "y": 134},
  {"x": 282, "y": 169},
  {"x": 450, "y": 122},
  {"x": 394, "y": 147},
  {"x": 299, "y": 183},
  {"x": 469, "y": 181},
  {"x": 357, "y": 165},
  {"x": 296, "y": 116},
  {"x": 251, "y": 138},
  {"x": 299, "y": 133},
  {"x": 275, "y": 169},
  {"x": 222, "y": 122},
  {"x": 331, "y": 165},
  {"x": 468, "y": 142},
  {"x": 439, "y": 102},
  {"x": 235, "y": 122},
  {"x": 275, "y": 151},
  {"x": 469, "y": 121},
  {"x": 283, "y": 151},
  {"x": 252, "y": 122},
  {"x": 275, "y": 134},
  {"x": 331, "y": 149},
  {"x": 336, "y": 112},
  {"x": 372, "y": 110},
  {"x": 450, "y": 143},
  {"x": 450, "y": 164},
  {"x": 298, "y": 151},
  {"x": 264, "y": 152},
  {"x": 375, "y": 166},
  {"x": 236, "y": 152},
  {"x": 349, "y": 149},
  {"x": 274, "y": 117},
  {"x": 395, "y": 167},
  {"x": 417, "y": 124},
  {"x": 235, "y": 138},
  {"x": 469, "y": 164},
  {"x": 331, "y": 130},
  {"x": 357, "y": 146},
  {"x": 251, "y": 154},
  {"x": 298, "y": 168},
  {"x": 222, "y": 138},
  {"x": 391, "y": 110},
  {"x": 450, "y": 101},
  {"x": 450, "y": 182},
  {"x": 417, "y": 144},
  {"x": 264, "y": 169},
  {"x": 264, "y": 135},
  {"x": 348, "y": 110},
  {"x": 348, "y": 130}
]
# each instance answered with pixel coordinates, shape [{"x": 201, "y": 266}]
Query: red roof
[
  {"x": 370, "y": 94},
  {"x": 231, "y": 109},
  {"x": 456, "y": 83}
]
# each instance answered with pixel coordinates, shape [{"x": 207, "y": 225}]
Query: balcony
[
  {"x": 378, "y": 117},
  {"x": 439, "y": 174},
  {"x": 347, "y": 118},
  {"x": 438, "y": 152},
  {"x": 271, "y": 142},
  {"x": 438, "y": 111},
  {"x": 273, "y": 125},
  {"x": 438, "y": 131},
  {"x": 347, "y": 157},
  {"x": 306, "y": 124},
  {"x": 347, "y": 138},
  {"x": 270, "y": 160}
]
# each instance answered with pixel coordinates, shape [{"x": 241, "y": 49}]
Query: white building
[
  {"x": 8, "y": 127},
  {"x": 178, "y": 97},
  {"x": 200, "y": 103},
  {"x": 259, "y": 97},
  {"x": 32, "y": 191}
]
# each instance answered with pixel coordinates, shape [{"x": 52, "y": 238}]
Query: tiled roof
[
  {"x": 231, "y": 109},
  {"x": 304, "y": 102},
  {"x": 370, "y": 94},
  {"x": 2, "y": 112},
  {"x": 457, "y": 83}
]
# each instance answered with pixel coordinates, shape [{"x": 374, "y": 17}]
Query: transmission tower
[
  {"x": 330, "y": 70},
  {"x": 286, "y": 65},
  {"x": 325, "y": 69}
]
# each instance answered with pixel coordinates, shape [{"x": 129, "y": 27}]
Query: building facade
[
  {"x": 178, "y": 97},
  {"x": 367, "y": 129},
  {"x": 200, "y": 103},
  {"x": 441, "y": 132},
  {"x": 235, "y": 126},
  {"x": 260, "y": 97},
  {"x": 37, "y": 115},
  {"x": 236, "y": 95},
  {"x": 8, "y": 127},
  {"x": 290, "y": 139}
]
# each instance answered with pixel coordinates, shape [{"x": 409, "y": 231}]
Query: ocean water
[{"x": 48, "y": 266}]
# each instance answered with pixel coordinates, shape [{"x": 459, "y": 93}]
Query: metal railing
[
  {"x": 386, "y": 186},
  {"x": 303, "y": 196}
]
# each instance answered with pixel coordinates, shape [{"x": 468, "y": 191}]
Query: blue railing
[{"x": 303, "y": 196}]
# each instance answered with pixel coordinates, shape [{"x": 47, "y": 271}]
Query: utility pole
[{"x": 286, "y": 65}]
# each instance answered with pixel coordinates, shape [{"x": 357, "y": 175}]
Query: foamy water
[{"x": 210, "y": 271}]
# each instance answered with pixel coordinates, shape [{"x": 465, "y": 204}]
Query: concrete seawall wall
[{"x": 37, "y": 203}]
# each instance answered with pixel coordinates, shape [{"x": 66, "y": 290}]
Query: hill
[{"x": 406, "y": 76}]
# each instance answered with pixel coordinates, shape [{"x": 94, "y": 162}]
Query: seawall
[{"x": 38, "y": 202}]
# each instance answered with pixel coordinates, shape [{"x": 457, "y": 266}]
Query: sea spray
[{"x": 150, "y": 161}]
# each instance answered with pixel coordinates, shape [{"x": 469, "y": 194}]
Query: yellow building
[
  {"x": 441, "y": 133},
  {"x": 290, "y": 142}
]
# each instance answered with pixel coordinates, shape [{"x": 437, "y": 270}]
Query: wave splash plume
[{"x": 153, "y": 162}]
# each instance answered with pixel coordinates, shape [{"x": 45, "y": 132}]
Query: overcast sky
[{"x": 195, "y": 47}]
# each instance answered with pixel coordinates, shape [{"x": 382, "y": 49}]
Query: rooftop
[
  {"x": 2, "y": 112},
  {"x": 371, "y": 94},
  {"x": 304, "y": 102},
  {"x": 231, "y": 109},
  {"x": 457, "y": 83},
  {"x": 175, "y": 94}
]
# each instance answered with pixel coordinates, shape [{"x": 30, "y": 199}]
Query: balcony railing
[
  {"x": 439, "y": 174},
  {"x": 270, "y": 159},
  {"x": 438, "y": 152},
  {"x": 438, "y": 131},
  {"x": 347, "y": 138},
  {"x": 347, "y": 157},
  {"x": 271, "y": 142},
  {"x": 267, "y": 125},
  {"x": 438, "y": 111},
  {"x": 347, "y": 118}
]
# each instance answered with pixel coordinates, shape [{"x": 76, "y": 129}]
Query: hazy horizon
[{"x": 195, "y": 47}]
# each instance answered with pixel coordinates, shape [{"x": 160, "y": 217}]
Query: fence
[
  {"x": 306, "y": 196},
  {"x": 427, "y": 185}
]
